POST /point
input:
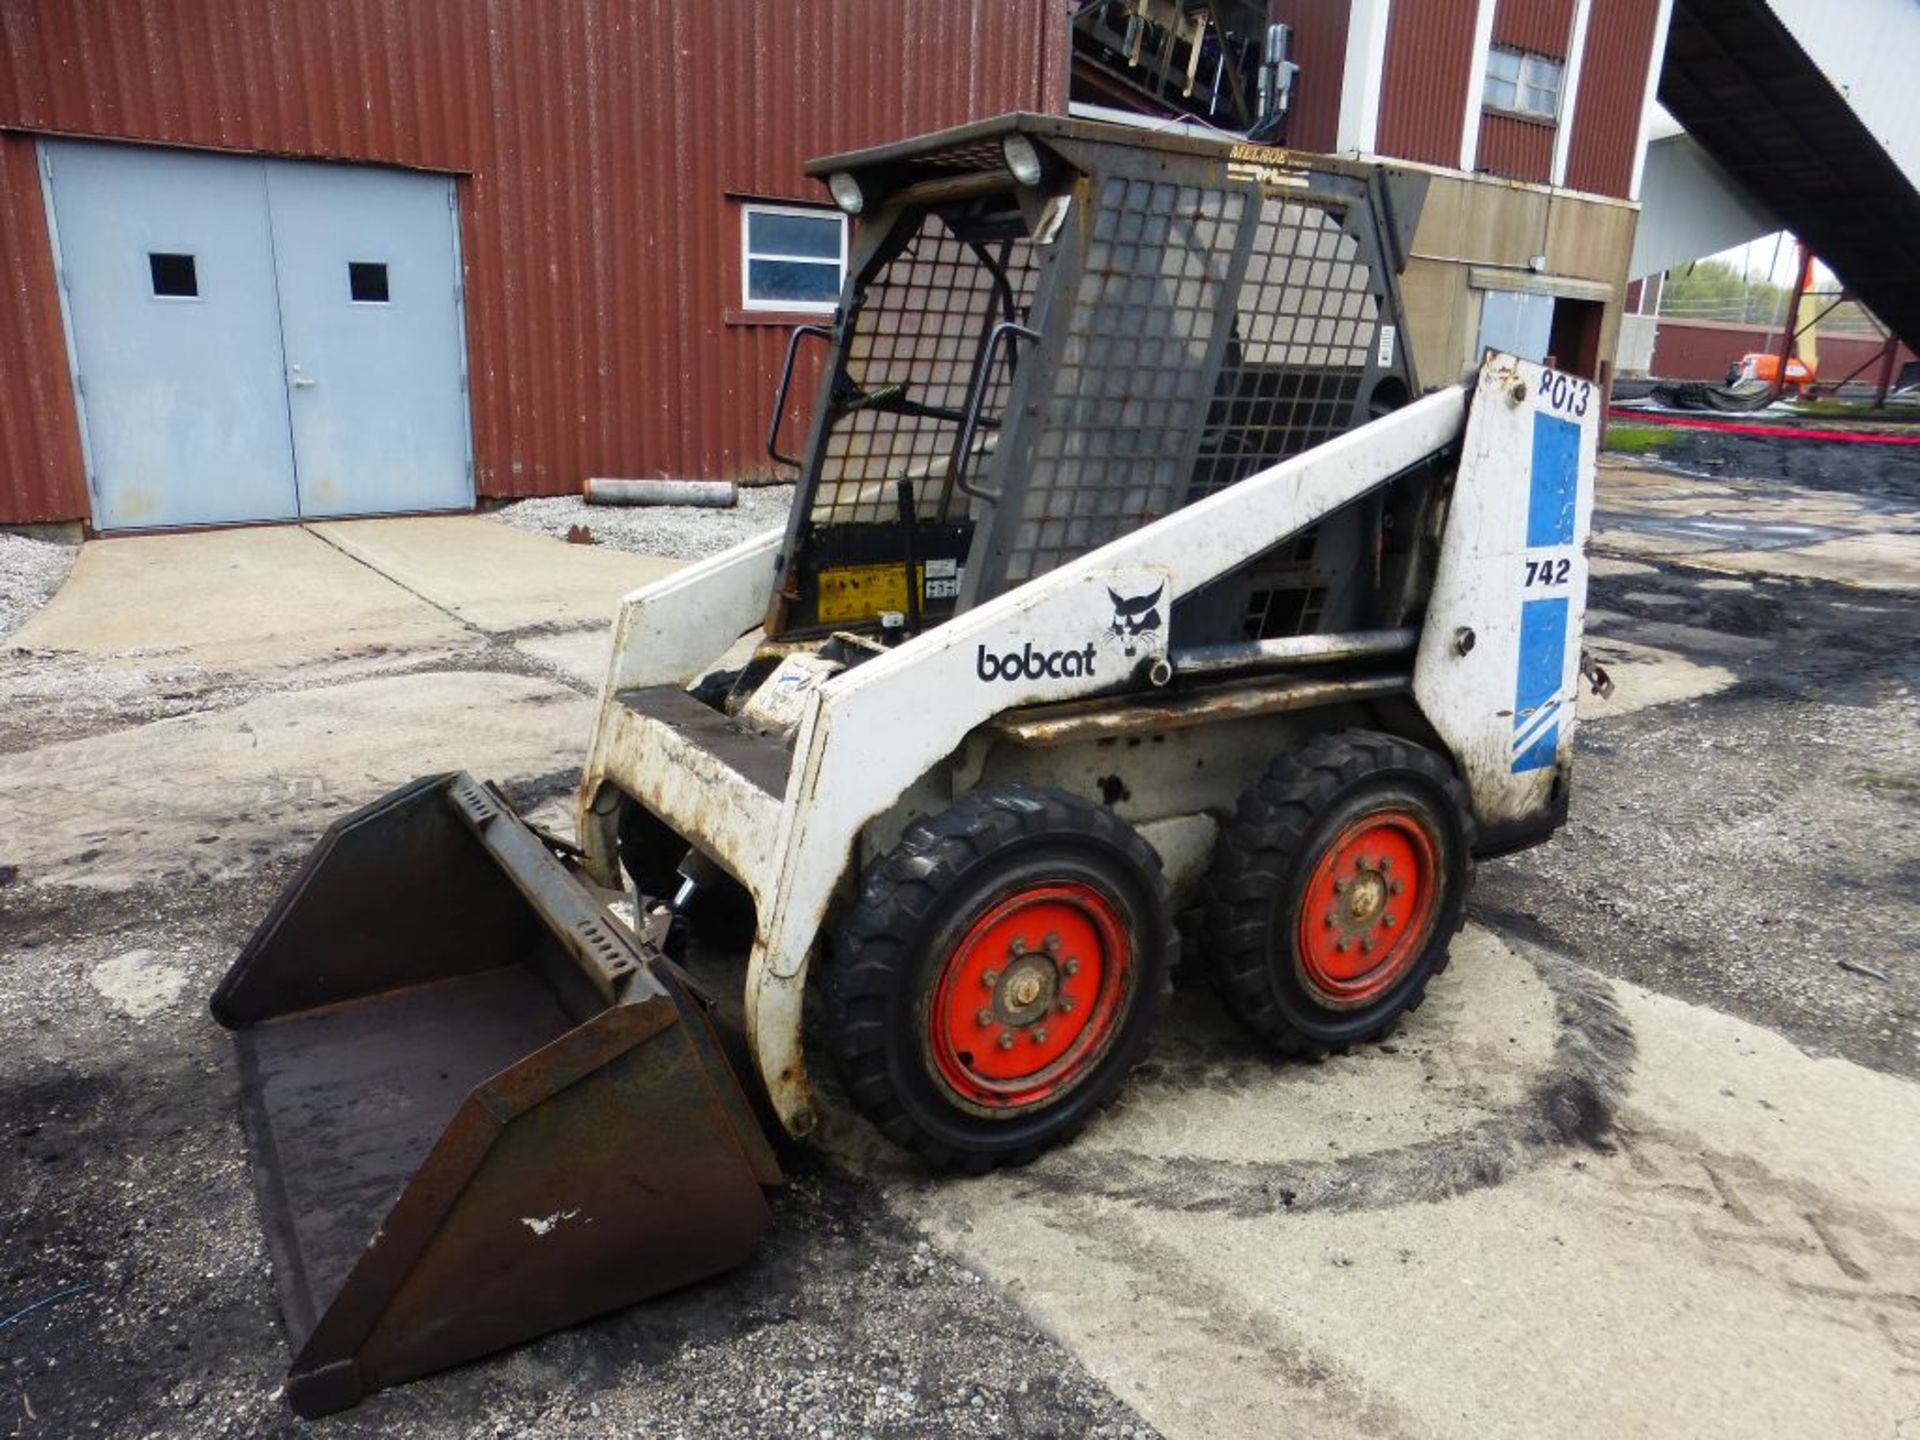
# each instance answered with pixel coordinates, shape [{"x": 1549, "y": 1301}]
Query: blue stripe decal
[
  {"x": 1542, "y": 753},
  {"x": 1556, "y": 480},
  {"x": 1543, "y": 659}
]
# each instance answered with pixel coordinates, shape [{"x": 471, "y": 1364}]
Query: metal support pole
[
  {"x": 1887, "y": 362},
  {"x": 1790, "y": 332}
]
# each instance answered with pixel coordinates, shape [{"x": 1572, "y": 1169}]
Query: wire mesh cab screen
[
  {"x": 1184, "y": 319},
  {"x": 897, "y": 407}
]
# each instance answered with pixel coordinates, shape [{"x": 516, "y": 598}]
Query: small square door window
[
  {"x": 174, "y": 276},
  {"x": 367, "y": 282}
]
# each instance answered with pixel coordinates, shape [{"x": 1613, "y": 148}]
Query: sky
[{"x": 1772, "y": 256}]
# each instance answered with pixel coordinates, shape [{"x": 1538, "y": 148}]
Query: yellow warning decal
[{"x": 860, "y": 592}]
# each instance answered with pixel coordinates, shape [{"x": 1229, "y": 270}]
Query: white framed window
[
  {"x": 791, "y": 257},
  {"x": 1523, "y": 83}
]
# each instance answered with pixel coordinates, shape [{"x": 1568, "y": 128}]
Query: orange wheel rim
[
  {"x": 1029, "y": 1000},
  {"x": 1368, "y": 908}
]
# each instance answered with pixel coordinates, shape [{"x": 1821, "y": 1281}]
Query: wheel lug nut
[
  {"x": 1019, "y": 946},
  {"x": 1395, "y": 887},
  {"x": 985, "y": 1017},
  {"x": 1005, "y": 1041},
  {"x": 989, "y": 977},
  {"x": 1330, "y": 919},
  {"x": 1066, "y": 1004},
  {"x": 1386, "y": 921},
  {"x": 1053, "y": 942},
  {"x": 1386, "y": 864},
  {"x": 1040, "y": 1036},
  {"x": 1340, "y": 887},
  {"x": 1340, "y": 945},
  {"x": 1366, "y": 943},
  {"x": 1072, "y": 965}
]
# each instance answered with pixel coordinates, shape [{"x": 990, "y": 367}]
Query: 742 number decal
[{"x": 1548, "y": 572}]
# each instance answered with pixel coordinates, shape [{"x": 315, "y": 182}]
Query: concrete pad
[
  {"x": 1644, "y": 677},
  {"x": 1413, "y": 1241},
  {"x": 267, "y": 597},
  {"x": 206, "y": 796},
  {"x": 495, "y": 577},
  {"x": 1607, "y": 567},
  {"x": 1622, "y": 479},
  {"x": 580, "y": 655},
  {"x": 1619, "y": 540},
  {"x": 1886, "y": 561}
]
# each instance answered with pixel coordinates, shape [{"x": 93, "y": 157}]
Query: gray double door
[{"x": 260, "y": 339}]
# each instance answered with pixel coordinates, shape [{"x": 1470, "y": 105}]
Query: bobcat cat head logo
[{"x": 1135, "y": 615}]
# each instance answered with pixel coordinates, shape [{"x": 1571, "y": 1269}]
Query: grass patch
[
  {"x": 1894, "y": 780},
  {"x": 1639, "y": 439},
  {"x": 1836, "y": 409}
]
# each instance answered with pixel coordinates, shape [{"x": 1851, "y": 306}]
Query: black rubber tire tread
[
  {"x": 1261, "y": 850},
  {"x": 879, "y": 961}
]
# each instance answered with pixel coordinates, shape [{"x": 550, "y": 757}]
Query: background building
[
  {"x": 570, "y": 241},
  {"x": 1528, "y": 116},
  {"x": 362, "y": 256}
]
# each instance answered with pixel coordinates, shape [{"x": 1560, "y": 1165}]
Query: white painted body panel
[
  {"x": 867, "y": 736},
  {"x": 1513, "y": 575}
]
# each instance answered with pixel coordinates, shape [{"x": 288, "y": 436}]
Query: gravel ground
[
  {"x": 1733, "y": 850},
  {"x": 126, "y": 1207},
  {"x": 1757, "y": 850},
  {"x": 30, "y": 571},
  {"x": 679, "y": 532},
  {"x": 1887, "y": 473}
]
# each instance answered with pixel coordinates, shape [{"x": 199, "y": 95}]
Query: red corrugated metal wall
[
  {"x": 1523, "y": 149},
  {"x": 597, "y": 142},
  {"x": 1423, "y": 94},
  {"x": 41, "y": 476},
  {"x": 1320, "y": 50},
  {"x": 1613, "y": 94},
  {"x": 1518, "y": 149},
  {"x": 1542, "y": 26},
  {"x": 1701, "y": 350}
]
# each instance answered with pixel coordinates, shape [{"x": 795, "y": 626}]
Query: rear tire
[
  {"x": 999, "y": 975},
  {"x": 1336, "y": 890}
]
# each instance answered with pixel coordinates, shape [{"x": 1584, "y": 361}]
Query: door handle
[{"x": 299, "y": 381}]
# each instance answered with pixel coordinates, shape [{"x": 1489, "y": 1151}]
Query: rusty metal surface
[
  {"x": 1063, "y": 724},
  {"x": 714, "y": 784},
  {"x": 477, "y": 1123},
  {"x": 1614, "y": 90},
  {"x": 602, "y": 148},
  {"x": 1516, "y": 149},
  {"x": 1321, "y": 649},
  {"x": 764, "y": 762},
  {"x": 1423, "y": 93}
]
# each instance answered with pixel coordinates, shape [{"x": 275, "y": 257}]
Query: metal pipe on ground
[
  {"x": 1293, "y": 650},
  {"x": 715, "y": 494}
]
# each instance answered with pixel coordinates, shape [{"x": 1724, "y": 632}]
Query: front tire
[
  {"x": 1336, "y": 890},
  {"x": 1000, "y": 974}
]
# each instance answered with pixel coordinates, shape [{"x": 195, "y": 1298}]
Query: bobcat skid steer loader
[{"x": 1129, "y": 572}]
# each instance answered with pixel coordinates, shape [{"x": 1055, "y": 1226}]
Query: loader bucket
[{"x": 479, "y": 1109}]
